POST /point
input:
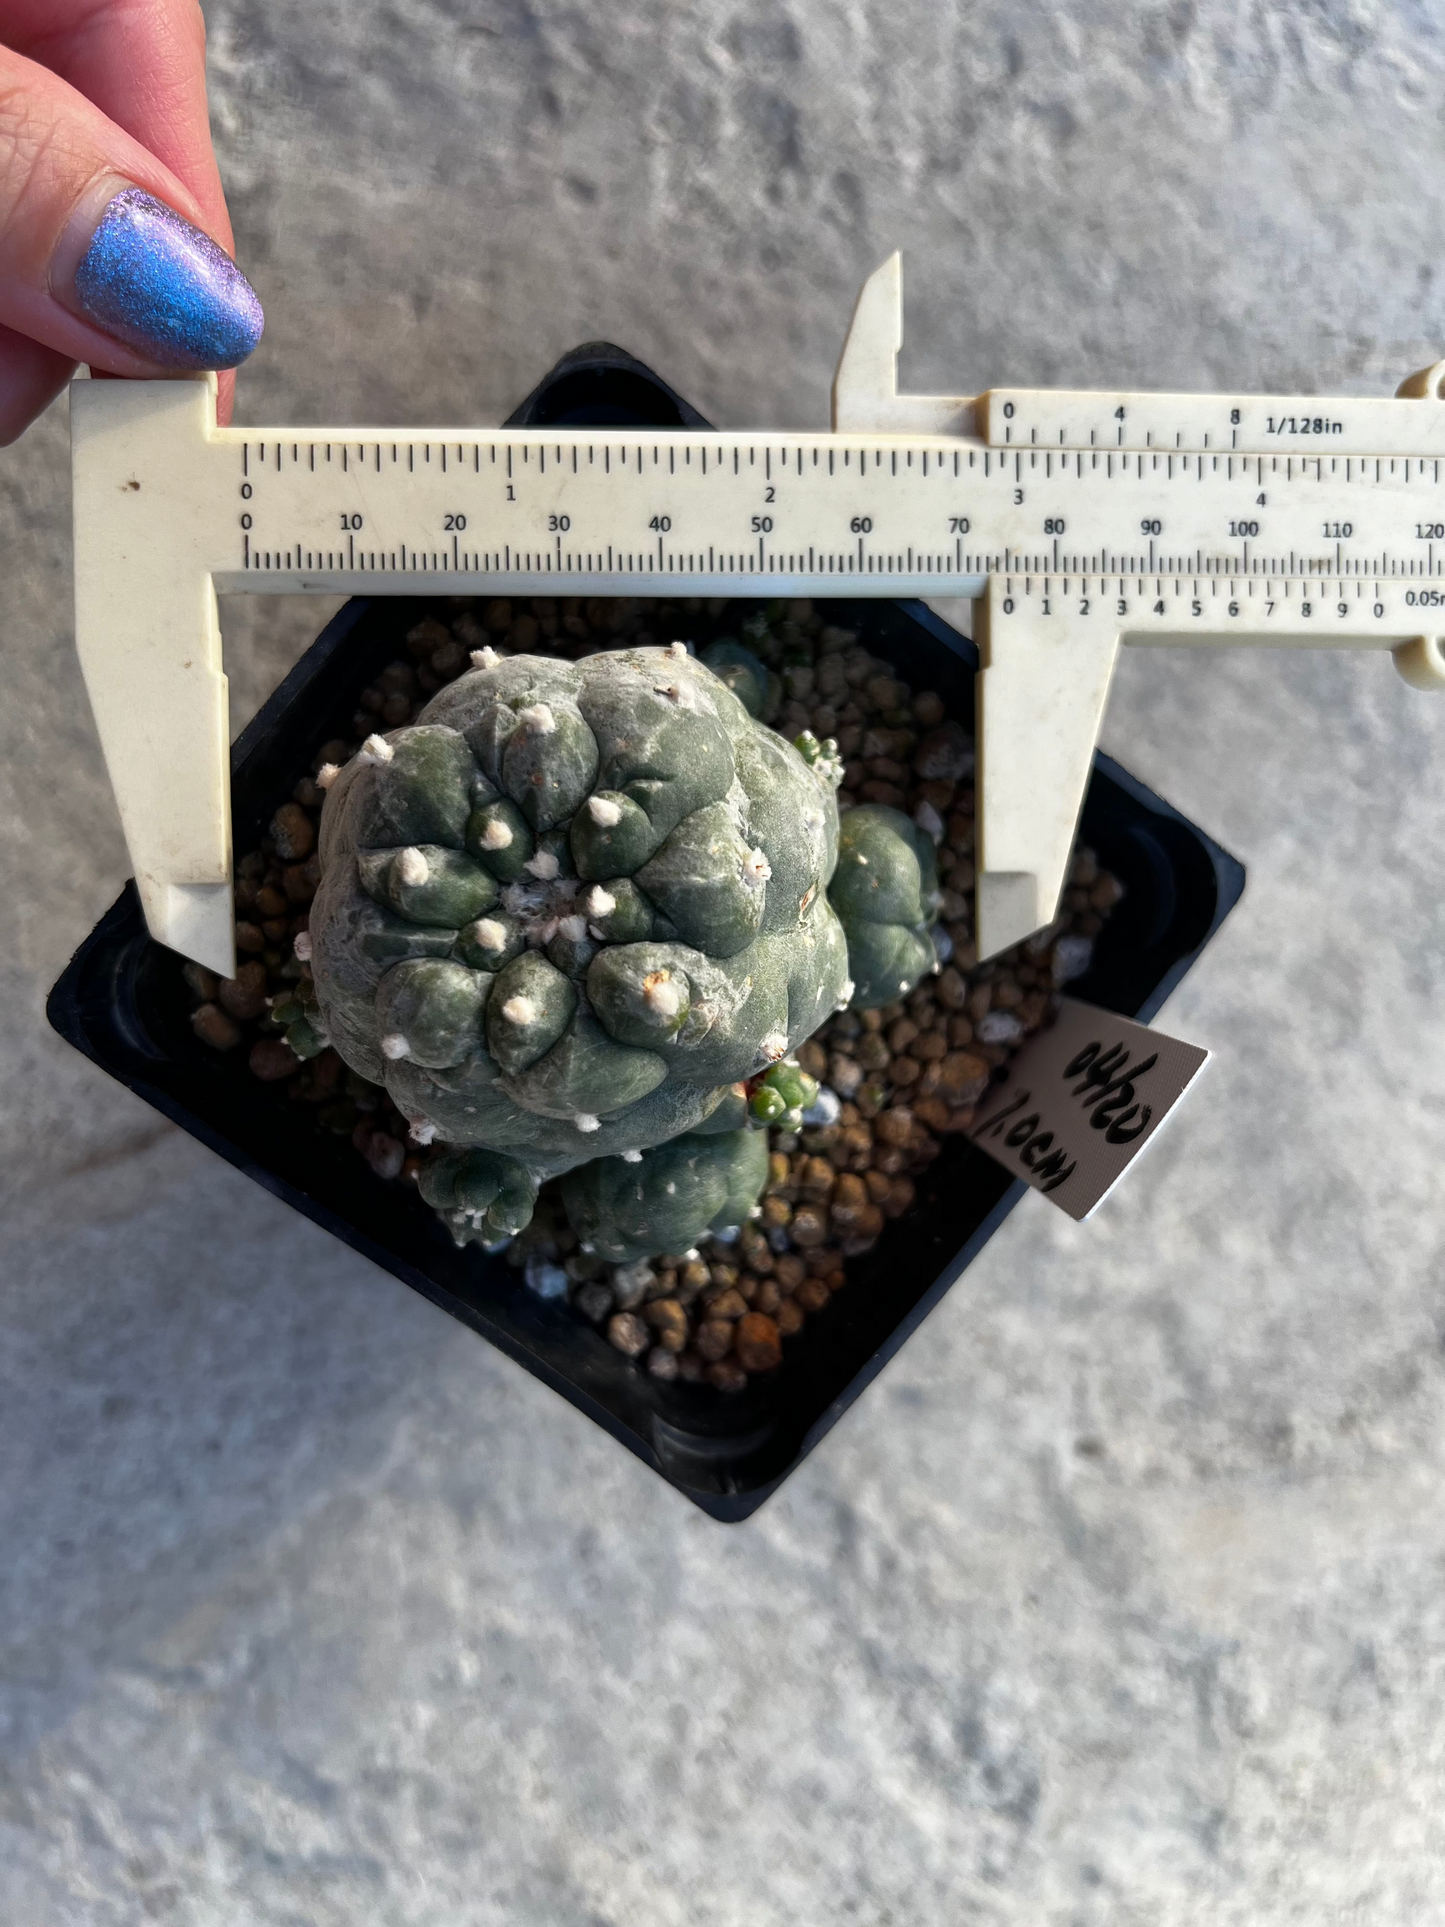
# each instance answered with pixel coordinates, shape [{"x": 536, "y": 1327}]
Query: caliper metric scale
[{"x": 1080, "y": 521}]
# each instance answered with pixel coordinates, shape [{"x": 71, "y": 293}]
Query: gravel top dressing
[
  {"x": 720, "y": 1360},
  {"x": 858, "y": 1111}
]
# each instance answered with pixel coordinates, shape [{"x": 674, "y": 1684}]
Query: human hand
[{"x": 114, "y": 236}]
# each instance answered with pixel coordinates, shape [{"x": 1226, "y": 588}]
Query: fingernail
[{"x": 158, "y": 284}]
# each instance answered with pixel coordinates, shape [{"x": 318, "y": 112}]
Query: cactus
[
  {"x": 570, "y": 907},
  {"x": 483, "y": 1195},
  {"x": 668, "y": 1198},
  {"x": 782, "y": 1095},
  {"x": 755, "y": 687},
  {"x": 885, "y": 891}
]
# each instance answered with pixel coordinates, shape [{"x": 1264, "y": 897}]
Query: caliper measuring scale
[{"x": 1078, "y": 521}]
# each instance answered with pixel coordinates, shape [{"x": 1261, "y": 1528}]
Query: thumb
[{"x": 102, "y": 255}]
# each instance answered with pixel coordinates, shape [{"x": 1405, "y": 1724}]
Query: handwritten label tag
[{"x": 1081, "y": 1102}]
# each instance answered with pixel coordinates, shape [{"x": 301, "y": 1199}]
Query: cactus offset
[
  {"x": 670, "y": 1198},
  {"x": 565, "y": 911},
  {"x": 885, "y": 891}
]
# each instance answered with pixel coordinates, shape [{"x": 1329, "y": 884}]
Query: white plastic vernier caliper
[{"x": 1079, "y": 520}]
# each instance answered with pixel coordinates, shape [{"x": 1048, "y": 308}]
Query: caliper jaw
[
  {"x": 149, "y": 639},
  {"x": 1041, "y": 689},
  {"x": 1040, "y": 696}
]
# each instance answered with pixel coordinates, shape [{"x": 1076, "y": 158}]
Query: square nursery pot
[{"x": 122, "y": 1001}]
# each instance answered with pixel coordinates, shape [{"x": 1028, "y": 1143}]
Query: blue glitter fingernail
[{"x": 161, "y": 286}]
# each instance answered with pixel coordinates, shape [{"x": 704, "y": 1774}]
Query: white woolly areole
[
  {"x": 632, "y": 1157},
  {"x": 538, "y": 718},
  {"x": 604, "y": 812},
  {"x": 497, "y": 835},
  {"x": 680, "y": 693},
  {"x": 600, "y": 902},
  {"x": 395, "y": 1046},
  {"x": 302, "y": 946},
  {"x": 543, "y": 865},
  {"x": 490, "y": 934},
  {"x": 412, "y": 867},
  {"x": 326, "y": 776},
  {"x": 540, "y": 904},
  {"x": 376, "y": 749},
  {"x": 756, "y": 869},
  {"x": 519, "y": 1010},
  {"x": 421, "y": 1130},
  {"x": 773, "y": 1046},
  {"x": 845, "y": 995},
  {"x": 574, "y": 929},
  {"x": 585, "y": 1121},
  {"x": 663, "y": 996},
  {"x": 485, "y": 658},
  {"x": 679, "y": 651}
]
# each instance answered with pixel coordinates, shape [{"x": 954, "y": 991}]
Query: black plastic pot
[{"x": 122, "y": 1002}]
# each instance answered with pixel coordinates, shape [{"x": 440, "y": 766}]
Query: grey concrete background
[{"x": 1118, "y": 1599}]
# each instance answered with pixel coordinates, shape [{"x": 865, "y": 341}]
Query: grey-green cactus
[
  {"x": 484, "y": 1196},
  {"x": 754, "y": 685},
  {"x": 570, "y": 907},
  {"x": 885, "y": 890},
  {"x": 667, "y": 1198}
]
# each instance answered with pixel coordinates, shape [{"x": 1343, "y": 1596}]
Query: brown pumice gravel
[{"x": 903, "y": 1078}]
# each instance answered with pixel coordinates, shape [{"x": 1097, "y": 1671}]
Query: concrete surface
[{"x": 1117, "y": 1600}]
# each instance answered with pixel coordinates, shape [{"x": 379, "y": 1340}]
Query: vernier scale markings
[{"x": 1081, "y": 521}]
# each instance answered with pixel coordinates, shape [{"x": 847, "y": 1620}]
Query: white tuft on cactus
[
  {"x": 490, "y": 934},
  {"x": 327, "y": 775},
  {"x": 632, "y": 1157},
  {"x": 302, "y": 946},
  {"x": 756, "y": 869},
  {"x": 773, "y": 1046},
  {"x": 485, "y": 658},
  {"x": 662, "y": 993},
  {"x": 600, "y": 902},
  {"x": 574, "y": 929},
  {"x": 604, "y": 812},
  {"x": 421, "y": 1130},
  {"x": 412, "y": 867},
  {"x": 543, "y": 865},
  {"x": 519, "y": 1010},
  {"x": 538, "y": 718},
  {"x": 497, "y": 835},
  {"x": 376, "y": 749},
  {"x": 683, "y": 694},
  {"x": 585, "y": 1121},
  {"x": 679, "y": 651},
  {"x": 845, "y": 995},
  {"x": 394, "y": 1046}
]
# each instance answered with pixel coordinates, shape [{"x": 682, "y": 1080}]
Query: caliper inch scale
[{"x": 1079, "y": 521}]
